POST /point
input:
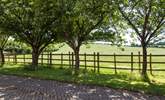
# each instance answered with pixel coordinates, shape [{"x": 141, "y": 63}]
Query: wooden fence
[{"x": 96, "y": 63}]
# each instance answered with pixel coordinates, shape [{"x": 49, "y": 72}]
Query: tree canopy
[{"x": 33, "y": 21}]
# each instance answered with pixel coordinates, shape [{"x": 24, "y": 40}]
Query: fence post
[
  {"x": 47, "y": 58},
  {"x": 98, "y": 62},
  {"x": 151, "y": 64},
  {"x": 69, "y": 61},
  {"x": 72, "y": 60},
  {"x": 15, "y": 58},
  {"x": 8, "y": 58},
  {"x": 115, "y": 63},
  {"x": 94, "y": 61},
  {"x": 24, "y": 58},
  {"x": 131, "y": 61},
  {"x": 42, "y": 58},
  {"x": 85, "y": 60},
  {"x": 61, "y": 60},
  {"x": 50, "y": 58},
  {"x": 139, "y": 57},
  {"x": 13, "y": 54}
]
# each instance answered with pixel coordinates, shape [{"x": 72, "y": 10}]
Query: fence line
[{"x": 52, "y": 59}]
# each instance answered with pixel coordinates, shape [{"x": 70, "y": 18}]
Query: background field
[
  {"x": 105, "y": 61},
  {"x": 108, "y": 49}
]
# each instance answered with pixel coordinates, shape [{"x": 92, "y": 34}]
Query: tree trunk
[
  {"x": 77, "y": 60},
  {"x": 35, "y": 56},
  {"x": 2, "y": 59},
  {"x": 144, "y": 69}
]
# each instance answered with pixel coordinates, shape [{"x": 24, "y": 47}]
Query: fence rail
[{"x": 96, "y": 61}]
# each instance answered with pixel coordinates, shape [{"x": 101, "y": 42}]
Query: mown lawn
[
  {"x": 121, "y": 80},
  {"x": 108, "y": 49}
]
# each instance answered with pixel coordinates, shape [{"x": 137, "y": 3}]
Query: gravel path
[{"x": 19, "y": 88}]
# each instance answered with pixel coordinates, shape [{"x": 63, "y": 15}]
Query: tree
[
  {"x": 3, "y": 42},
  {"x": 54, "y": 47},
  {"x": 80, "y": 19},
  {"x": 35, "y": 22},
  {"x": 108, "y": 33},
  {"x": 17, "y": 47},
  {"x": 146, "y": 17}
]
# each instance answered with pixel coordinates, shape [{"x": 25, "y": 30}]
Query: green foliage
[
  {"x": 33, "y": 21},
  {"x": 53, "y": 47},
  {"x": 17, "y": 47},
  {"x": 82, "y": 17},
  {"x": 146, "y": 17},
  {"x": 108, "y": 34}
]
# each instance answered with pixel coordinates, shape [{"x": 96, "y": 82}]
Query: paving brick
[{"x": 19, "y": 88}]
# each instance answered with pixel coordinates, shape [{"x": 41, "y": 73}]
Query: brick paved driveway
[{"x": 19, "y": 88}]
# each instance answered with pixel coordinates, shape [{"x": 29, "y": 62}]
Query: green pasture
[
  {"x": 108, "y": 49},
  {"x": 105, "y": 49}
]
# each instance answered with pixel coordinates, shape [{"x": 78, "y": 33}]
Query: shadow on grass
[
  {"x": 118, "y": 81},
  {"x": 1, "y": 64}
]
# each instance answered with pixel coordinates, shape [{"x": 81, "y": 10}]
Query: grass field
[
  {"x": 106, "y": 77},
  {"x": 108, "y": 49}
]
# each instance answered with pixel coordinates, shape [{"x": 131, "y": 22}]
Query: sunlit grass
[
  {"x": 121, "y": 80},
  {"x": 108, "y": 49}
]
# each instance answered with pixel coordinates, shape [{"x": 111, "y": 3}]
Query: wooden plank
[{"x": 106, "y": 55}]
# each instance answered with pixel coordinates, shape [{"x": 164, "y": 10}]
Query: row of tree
[{"x": 39, "y": 23}]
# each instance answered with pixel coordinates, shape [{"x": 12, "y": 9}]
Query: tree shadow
[
  {"x": 146, "y": 78},
  {"x": 1, "y": 65},
  {"x": 126, "y": 82},
  {"x": 123, "y": 81}
]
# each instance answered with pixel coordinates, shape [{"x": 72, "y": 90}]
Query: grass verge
[{"x": 122, "y": 80}]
